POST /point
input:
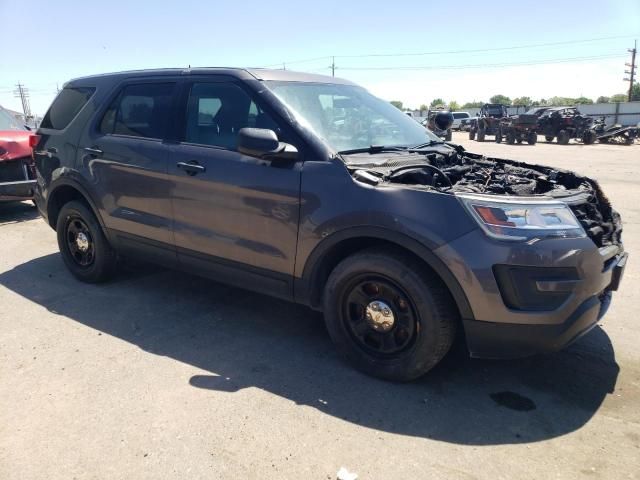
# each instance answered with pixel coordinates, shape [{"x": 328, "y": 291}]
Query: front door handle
[{"x": 191, "y": 168}]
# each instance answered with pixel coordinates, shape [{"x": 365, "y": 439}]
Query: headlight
[{"x": 513, "y": 219}]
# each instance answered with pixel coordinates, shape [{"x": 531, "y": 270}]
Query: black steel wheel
[
  {"x": 387, "y": 316},
  {"x": 84, "y": 247},
  {"x": 379, "y": 315},
  {"x": 79, "y": 241}
]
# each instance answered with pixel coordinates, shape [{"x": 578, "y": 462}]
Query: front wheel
[
  {"x": 563, "y": 137},
  {"x": 387, "y": 317},
  {"x": 481, "y": 134},
  {"x": 84, "y": 248},
  {"x": 472, "y": 134},
  {"x": 448, "y": 136},
  {"x": 532, "y": 138},
  {"x": 589, "y": 137}
]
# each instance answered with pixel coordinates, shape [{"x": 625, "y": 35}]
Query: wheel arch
[
  {"x": 335, "y": 248},
  {"x": 65, "y": 191}
]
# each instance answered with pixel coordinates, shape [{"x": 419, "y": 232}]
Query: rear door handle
[
  {"x": 93, "y": 151},
  {"x": 191, "y": 168}
]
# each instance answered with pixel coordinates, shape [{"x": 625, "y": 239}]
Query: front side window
[
  {"x": 66, "y": 106},
  {"x": 139, "y": 111},
  {"x": 347, "y": 117},
  {"x": 217, "y": 111}
]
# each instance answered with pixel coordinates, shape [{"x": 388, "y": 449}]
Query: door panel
[
  {"x": 127, "y": 161},
  {"x": 240, "y": 209},
  {"x": 131, "y": 180}
]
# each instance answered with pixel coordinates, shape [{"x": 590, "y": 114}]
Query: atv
[
  {"x": 565, "y": 123},
  {"x": 487, "y": 122},
  {"x": 518, "y": 128}
]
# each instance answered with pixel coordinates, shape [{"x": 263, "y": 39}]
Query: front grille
[{"x": 601, "y": 222}]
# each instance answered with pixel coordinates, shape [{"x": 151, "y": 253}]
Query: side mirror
[
  {"x": 263, "y": 143},
  {"x": 443, "y": 120}
]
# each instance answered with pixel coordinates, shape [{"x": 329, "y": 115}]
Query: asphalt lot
[{"x": 164, "y": 375}]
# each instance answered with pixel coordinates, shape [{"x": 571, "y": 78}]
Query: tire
[
  {"x": 472, "y": 134},
  {"x": 414, "y": 344},
  {"x": 448, "y": 136},
  {"x": 481, "y": 134},
  {"x": 563, "y": 137},
  {"x": 84, "y": 248},
  {"x": 511, "y": 137},
  {"x": 499, "y": 136},
  {"x": 589, "y": 137},
  {"x": 532, "y": 138},
  {"x": 549, "y": 138}
]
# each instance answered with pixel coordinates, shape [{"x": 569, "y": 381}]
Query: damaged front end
[
  {"x": 476, "y": 180},
  {"x": 17, "y": 172}
]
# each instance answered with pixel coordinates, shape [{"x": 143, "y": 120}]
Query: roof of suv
[{"x": 240, "y": 73}]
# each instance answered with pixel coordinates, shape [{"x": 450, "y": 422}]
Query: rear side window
[
  {"x": 66, "y": 106},
  {"x": 139, "y": 111}
]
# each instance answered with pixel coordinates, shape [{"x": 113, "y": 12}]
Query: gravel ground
[{"x": 164, "y": 375}]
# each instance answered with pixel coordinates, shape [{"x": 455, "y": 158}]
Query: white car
[{"x": 458, "y": 117}]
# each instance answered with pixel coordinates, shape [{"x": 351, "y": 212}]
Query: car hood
[
  {"x": 14, "y": 144},
  {"x": 450, "y": 169}
]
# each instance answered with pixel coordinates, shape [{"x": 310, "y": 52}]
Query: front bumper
[{"x": 504, "y": 328}]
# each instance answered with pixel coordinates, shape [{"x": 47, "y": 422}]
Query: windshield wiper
[
  {"x": 373, "y": 149},
  {"x": 425, "y": 145}
]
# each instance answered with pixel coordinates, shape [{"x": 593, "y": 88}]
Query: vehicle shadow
[
  {"x": 247, "y": 340},
  {"x": 15, "y": 212}
]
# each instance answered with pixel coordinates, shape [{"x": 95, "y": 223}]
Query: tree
[
  {"x": 602, "y": 99},
  {"x": 500, "y": 99},
  {"x": 454, "y": 106},
  {"x": 635, "y": 92},
  {"x": 436, "y": 102},
  {"x": 397, "y": 104},
  {"x": 619, "y": 97},
  {"x": 424, "y": 107},
  {"x": 561, "y": 101},
  {"x": 474, "y": 104},
  {"x": 522, "y": 101},
  {"x": 583, "y": 101}
]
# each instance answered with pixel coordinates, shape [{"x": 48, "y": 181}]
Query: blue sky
[{"x": 49, "y": 42}]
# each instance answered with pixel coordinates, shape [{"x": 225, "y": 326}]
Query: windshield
[
  {"x": 347, "y": 117},
  {"x": 8, "y": 122}
]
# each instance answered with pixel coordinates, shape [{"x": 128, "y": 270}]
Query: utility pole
[
  {"x": 22, "y": 93},
  {"x": 632, "y": 68},
  {"x": 333, "y": 66}
]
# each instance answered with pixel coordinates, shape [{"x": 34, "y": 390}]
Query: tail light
[{"x": 33, "y": 143}]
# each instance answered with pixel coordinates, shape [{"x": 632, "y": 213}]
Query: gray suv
[{"x": 309, "y": 188}]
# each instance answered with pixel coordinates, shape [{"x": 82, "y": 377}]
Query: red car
[{"x": 17, "y": 172}]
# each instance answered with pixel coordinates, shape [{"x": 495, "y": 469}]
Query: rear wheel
[
  {"x": 511, "y": 137},
  {"x": 84, "y": 248},
  {"x": 589, "y": 137},
  {"x": 532, "y": 138},
  {"x": 499, "y": 136},
  {"x": 387, "y": 317},
  {"x": 563, "y": 137},
  {"x": 472, "y": 134}
]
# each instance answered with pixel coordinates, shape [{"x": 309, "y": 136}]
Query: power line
[
  {"x": 454, "y": 52},
  {"x": 487, "y": 65}
]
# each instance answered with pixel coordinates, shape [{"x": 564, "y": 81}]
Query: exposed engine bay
[{"x": 453, "y": 170}]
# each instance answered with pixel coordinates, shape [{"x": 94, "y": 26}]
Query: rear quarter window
[{"x": 66, "y": 106}]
